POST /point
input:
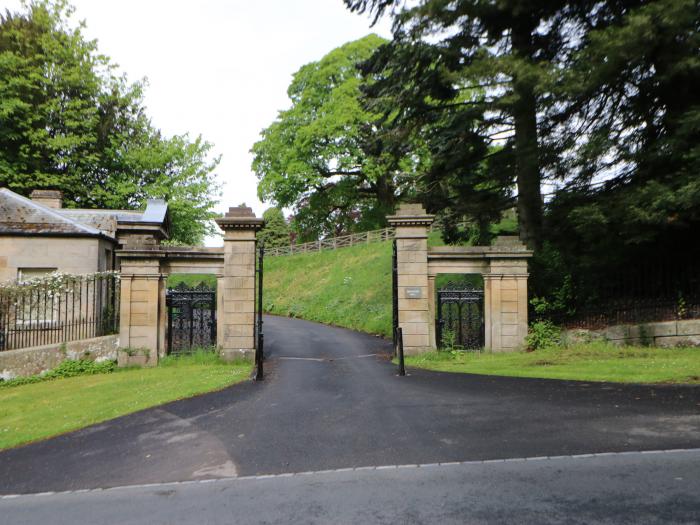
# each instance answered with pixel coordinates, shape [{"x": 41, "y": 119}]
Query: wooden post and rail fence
[{"x": 333, "y": 243}]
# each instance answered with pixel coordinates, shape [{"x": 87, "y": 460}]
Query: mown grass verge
[
  {"x": 40, "y": 410},
  {"x": 586, "y": 362},
  {"x": 349, "y": 287}
]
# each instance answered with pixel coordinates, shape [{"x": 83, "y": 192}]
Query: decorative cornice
[
  {"x": 240, "y": 218},
  {"x": 410, "y": 220},
  {"x": 254, "y": 224},
  {"x": 411, "y": 215}
]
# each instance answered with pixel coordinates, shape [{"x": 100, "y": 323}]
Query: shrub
[
  {"x": 81, "y": 367},
  {"x": 448, "y": 341},
  {"x": 542, "y": 334},
  {"x": 68, "y": 368}
]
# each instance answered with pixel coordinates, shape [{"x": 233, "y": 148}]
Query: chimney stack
[{"x": 49, "y": 198}]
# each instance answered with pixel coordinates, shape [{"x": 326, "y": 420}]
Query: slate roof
[{"x": 22, "y": 216}]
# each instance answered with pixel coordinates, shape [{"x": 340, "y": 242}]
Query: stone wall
[
  {"x": 667, "y": 333},
  {"x": 37, "y": 359},
  {"x": 68, "y": 255}
]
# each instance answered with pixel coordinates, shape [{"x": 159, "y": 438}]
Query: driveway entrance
[{"x": 331, "y": 399}]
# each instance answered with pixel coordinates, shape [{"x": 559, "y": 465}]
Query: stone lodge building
[{"x": 39, "y": 236}]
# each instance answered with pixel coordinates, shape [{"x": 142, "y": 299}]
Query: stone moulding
[
  {"x": 410, "y": 220},
  {"x": 240, "y": 218}
]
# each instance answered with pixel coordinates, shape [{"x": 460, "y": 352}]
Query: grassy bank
[
  {"x": 589, "y": 362},
  {"x": 192, "y": 279},
  {"x": 349, "y": 287},
  {"x": 40, "y": 410}
]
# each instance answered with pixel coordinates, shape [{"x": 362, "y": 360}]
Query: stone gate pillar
[
  {"x": 236, "y": 325},
  {"x": 142, "y": 303},
  {"x": 505, "y": 295},
  {"x": 412, "y": 223}
]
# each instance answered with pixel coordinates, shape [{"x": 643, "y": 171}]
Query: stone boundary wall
[
  {"x": 38, "y": 359},
  {"x": 666, "y": 333}
]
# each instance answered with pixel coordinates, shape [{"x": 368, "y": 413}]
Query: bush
[
  {"x": 81, "y": 367},
  {"x": 542, "y": 334}
]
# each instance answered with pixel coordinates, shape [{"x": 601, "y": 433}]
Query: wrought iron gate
[
  {"x": 191, "y": 318},
  {"x": 460, "y": 316}
]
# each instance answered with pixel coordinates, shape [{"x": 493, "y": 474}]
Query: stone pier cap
[
  {"x": 411, "y": 215},
  {"x": 240, "y": 218}
]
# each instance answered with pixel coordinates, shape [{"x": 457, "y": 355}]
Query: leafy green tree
[
  {"x": 318, "y": 156},
  {"x": 68, "y": 121},
  {"x": 276, "y": 231}
]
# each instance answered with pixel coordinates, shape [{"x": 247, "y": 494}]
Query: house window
[
  {"x": 41, "y": 309},
  {"x": 25, "y": 274}
]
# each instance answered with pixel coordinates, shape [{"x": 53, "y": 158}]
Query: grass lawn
[
  {"x": 589, "y": 362},
  {"x": 40, "y": 410},
  {"x": 349, "y": 287}
]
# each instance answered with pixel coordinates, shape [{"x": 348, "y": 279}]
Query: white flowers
[{"x": 54, "y": 283}]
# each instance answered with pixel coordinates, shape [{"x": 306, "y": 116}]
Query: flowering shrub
[{"x": 54, "y": 284}]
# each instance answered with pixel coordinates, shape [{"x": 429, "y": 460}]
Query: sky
[{"x": 219, "y": 68}]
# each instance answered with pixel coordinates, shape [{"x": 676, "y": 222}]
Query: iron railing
[
  {"x": 57, "y": 309},
  {"x": 644, "y": 293}
]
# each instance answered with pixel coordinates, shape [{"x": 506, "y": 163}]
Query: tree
[
  {"x": 68, "y": 122},
  {"x": 275, "y": 233},
  {"x": 632, "y": 194},
  {"x": 487, "y": 68},
  {"x": 639, "y": 158},
  {"x": 317, "y": 156}
]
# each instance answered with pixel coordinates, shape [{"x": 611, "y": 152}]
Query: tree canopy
[
  {"x": 321, "y": 158},
  {"x": 586, "y": 114},
  {"x": 275, "y": 233},
  {"x": 69, "y": 121}
]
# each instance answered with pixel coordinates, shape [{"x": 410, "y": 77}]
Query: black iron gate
[
  {"x": 191, "y": 318},
  {"x": 460, "y": 316}
]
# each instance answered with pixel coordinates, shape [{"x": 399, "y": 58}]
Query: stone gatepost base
[{"x": 230, "y": 355}]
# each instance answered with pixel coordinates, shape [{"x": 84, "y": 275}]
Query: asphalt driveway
[{"x": 331, "y": 400}]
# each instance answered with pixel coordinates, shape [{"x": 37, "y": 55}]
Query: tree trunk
[
  {"x": 526, "y": 146},
  {"x": 385, "y": 192}
]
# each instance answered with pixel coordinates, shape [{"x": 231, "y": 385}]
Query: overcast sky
[{"x": 219, "y": 68}]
